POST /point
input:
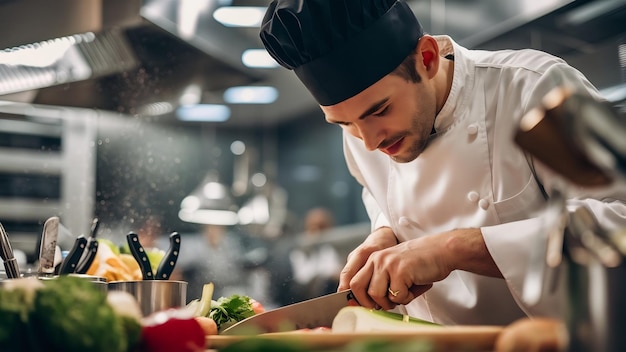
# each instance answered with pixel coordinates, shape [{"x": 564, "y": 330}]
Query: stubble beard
[{"x": 419, "y": 143}]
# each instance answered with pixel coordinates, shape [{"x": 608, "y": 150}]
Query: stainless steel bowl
[
  {"x": 154, "y": 295},
  {"x": 98, "y": 281}
]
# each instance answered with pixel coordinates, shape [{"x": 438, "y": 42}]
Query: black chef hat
[{"x": 338, "y": 48}]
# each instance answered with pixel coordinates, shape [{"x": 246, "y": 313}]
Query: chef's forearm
[{"x": 467, "y": 251}]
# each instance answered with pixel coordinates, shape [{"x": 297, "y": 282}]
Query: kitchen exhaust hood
[{"x": 118, "y": 55}]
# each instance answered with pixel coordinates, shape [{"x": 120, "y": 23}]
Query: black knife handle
[
  {"x": 136, "y": 249},
  {"x": 71, "y": 261},
  {"x": 92, "y": 250},
  {"x": 169, "y": 260}
]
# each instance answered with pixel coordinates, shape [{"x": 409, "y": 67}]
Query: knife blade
[
  {"x": 92, "y": 249},
  {"x": 312, "y": 313},
  {"x": 6, "y": 253},
  {"x": 139, "y": 253},
  {"x": 48, "y": 246},
  {"x": 71, "y": 261},
  {"x": 169, "y": 260}
]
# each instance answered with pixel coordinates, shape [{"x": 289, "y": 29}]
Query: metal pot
[
  {"x": 597, "y": 309},
  {"x": 582, "y": 139},
  {"x": 98, "y": 281},
  {"x": 154, "y": 295},
  {"x": 596, "y": 272}
]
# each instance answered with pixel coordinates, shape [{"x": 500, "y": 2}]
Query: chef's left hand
[{"x": 399, "y": 274}]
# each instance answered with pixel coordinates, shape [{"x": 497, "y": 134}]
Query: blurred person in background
[
  {"x": 316, "y": 265},
  {"x": 215, "y": 255}
]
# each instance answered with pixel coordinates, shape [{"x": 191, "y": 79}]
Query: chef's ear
[{"x": 428, "y": 55}]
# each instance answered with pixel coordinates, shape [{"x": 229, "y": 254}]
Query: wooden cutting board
[{"x": 465, "y": 338}]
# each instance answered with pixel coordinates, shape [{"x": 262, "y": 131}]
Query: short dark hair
[{"x": 407, "y": 69}]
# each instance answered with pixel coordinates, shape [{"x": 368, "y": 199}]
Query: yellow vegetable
[{"x": 114, "y": 267}]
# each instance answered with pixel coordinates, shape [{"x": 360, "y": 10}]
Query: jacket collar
[{"x": 463, "y": 76}]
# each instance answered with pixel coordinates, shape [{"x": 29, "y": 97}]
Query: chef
[{"x": 455, "y": 205}]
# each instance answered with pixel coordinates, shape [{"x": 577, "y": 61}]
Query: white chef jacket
[{"x": 473, "y": 175}]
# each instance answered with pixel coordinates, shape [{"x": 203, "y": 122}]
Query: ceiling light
[
  {"x": 251, "y": 95},
  {"x": 203, "y": 113},
  {"x": 255, "y": 211},
  {"x": 240, "y": 16},
  {"x": 191, "y": 95},
  {"x": 209, "y": 203},
  {"x": 258, "y": 58},
  {"x": 259, "y": 179},
  {"x": 210, "y": 217},
  {"x": 238, "y": 147}
]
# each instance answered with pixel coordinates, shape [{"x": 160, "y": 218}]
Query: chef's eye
[{"x": 382, "y": 112}]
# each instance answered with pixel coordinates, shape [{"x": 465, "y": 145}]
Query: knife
[
  {"x": 136, "y": 249},
  {"x": 71, "y": 261},
  {"x": 6, "y": 253},
  {"x": 309, "y": 314},
  {"x": 92, "y": 249},
  {"x": 48, "y": 246},
  {"x": 169, "y": 260},
  {"x": 90, "y": 255}
]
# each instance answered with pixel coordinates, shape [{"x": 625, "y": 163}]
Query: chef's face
[{"x": 394, "y": 116}]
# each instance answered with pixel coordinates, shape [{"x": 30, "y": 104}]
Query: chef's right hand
[{"x": 381, "y": 238}]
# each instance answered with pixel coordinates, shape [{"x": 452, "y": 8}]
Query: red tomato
[{"x": 257, "y": 307}]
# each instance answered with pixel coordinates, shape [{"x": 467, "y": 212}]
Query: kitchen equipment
[
  {"x": 169, "y": 260},
  {"x": 312, "y": 313},
  {"x": 92, "y": 249},
  {"x": 139, "y": 253},
  {"x": 597, "y": 287},
  {"x": 154, "y": 295},
  {"x": 71, "y": 260},
  {"x": 577, "y": 136},
  {"x": 98, "y": 281},
  {"x": 6, "y": 252},
  {"x": 583, "y": 140},
  {"x": 48, "y": 246}
]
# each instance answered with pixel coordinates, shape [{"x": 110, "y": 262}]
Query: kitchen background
[{"x": 105, "y": 111}]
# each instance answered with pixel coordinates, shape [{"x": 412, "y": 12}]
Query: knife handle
[
  {"x": 92, "y": 250},
  {"x": 71, "y": 261},
  {"x": 136, "y": 249},
  {"x": 11, "y": 268},
  {"x": 169, "y": 260}
]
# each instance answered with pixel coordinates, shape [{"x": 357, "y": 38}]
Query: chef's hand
[
  {"x": 378, "y": 240},
  {"x": 399, "y": 274}
]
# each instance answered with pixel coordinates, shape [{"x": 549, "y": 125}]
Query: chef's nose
[{"x": 371, "y": 137}]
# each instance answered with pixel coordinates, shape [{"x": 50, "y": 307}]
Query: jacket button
[
  {"x": 472, "y": 196},
  {"x": 484, "y": 204},
  {"x": 472, "y": 129},
  {"x": 403, "y": 221}
]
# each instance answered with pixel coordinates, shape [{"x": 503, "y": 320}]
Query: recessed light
[
  {"x": 251, "y": 95},
  {"x": 203, "y": 113},
  {"x": 240, "y": 16},
  {"x": 258, "y": 58}
]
